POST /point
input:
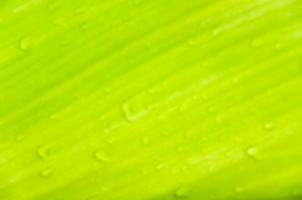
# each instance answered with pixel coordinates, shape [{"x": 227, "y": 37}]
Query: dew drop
[
  {"x": 268, "y": 126},
  {"x": 25, "y": 44},
  {"x": 130, "y": 114},
  {"x": 252, "y": 152},
  {"x": 46, "y": 172},
  {"x": 43, "y": 152},
  {"x": 101, "y": 156}
]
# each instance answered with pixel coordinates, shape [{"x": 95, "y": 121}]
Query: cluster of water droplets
[{"x": 43, "y": 153}]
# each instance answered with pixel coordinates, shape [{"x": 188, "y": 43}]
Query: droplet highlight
[
  {"x": 269, "y": 126},
  {"x": 251, "y": 152},
  {"x": 46, "y": 172},
  {"x": 101, "y": 156},
  {"x": 25, "y": 44}
]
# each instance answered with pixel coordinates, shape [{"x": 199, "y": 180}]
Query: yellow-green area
[{"x": 150, "y": 99}]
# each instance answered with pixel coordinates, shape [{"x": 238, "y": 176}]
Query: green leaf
[{"x": 150, "y": 100}]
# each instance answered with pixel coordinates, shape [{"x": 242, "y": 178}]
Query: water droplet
[
  {"x": 43, "y": 152},
  {"x": 130, "y": 114},
  {"x": 268, "y": 125},
  {"x": 101, "y": 156},
  {"x": 25, "y": 44},
  {"x": 46, "y": 172},
  {"x": 252, "y": 152},
  {"x": 182, "y": 192}
]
